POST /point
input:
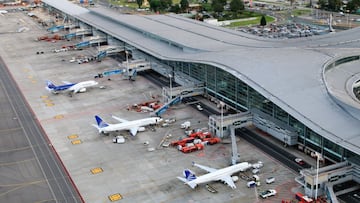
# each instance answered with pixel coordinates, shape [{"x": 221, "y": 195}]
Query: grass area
[
  {"x": 297, "y": 12},
  {"x": 226, "y": 15},
  {"x": 251, "y": 22},
  {"x": 125, "y": 3}
]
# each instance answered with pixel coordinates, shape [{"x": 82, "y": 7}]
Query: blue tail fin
[
  {"x": 100, "y": 122},
  {"x": 50, "y": 85},
  {"x": 189, "y": 175}
]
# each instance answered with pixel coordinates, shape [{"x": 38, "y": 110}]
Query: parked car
[
  {"x": 255, "y": 171},
  {"x": 268, "y": 193},
  {"x": 299, "y": 161},
  {"x": 270, "y": 180},
  {"x": 258, "y": 165},
  {"x": 251, "y": 184}
]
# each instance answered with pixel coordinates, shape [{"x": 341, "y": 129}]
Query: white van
[{"x": 270, "y": 180}]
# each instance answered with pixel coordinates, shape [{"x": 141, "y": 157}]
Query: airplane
[
  {"x": 133, "y": 126},
  {"x": 223, "y": 174},
  {"x": 70, "y": 87},
  {"x": 56, "y": 89}
]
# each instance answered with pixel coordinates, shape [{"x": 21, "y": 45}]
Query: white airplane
[
  {"x": 70, "y": 87},
  {"x": 223, "y": 174},
  {"x": 81, "y": 86},
  {"x": 133, "y": 126}
]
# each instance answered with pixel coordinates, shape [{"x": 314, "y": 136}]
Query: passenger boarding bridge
[{"x": 333, "y": 181}]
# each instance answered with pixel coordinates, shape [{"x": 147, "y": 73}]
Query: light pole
[
  {"x": 127, "y": 62},
  {"x": 317, "y": 174},
  {"x": 170, "y": 77},
  {"x": 222, "y": 119}
]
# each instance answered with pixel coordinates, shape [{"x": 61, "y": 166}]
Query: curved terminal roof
[{"x": 288, "y": 72}]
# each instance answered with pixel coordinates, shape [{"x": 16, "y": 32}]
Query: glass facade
[{"x": 226, "y": 87}]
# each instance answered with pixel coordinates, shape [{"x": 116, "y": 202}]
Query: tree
[
  {"x": 353, "y": 5},
  {"x": 184, "y": 5},
  {"x": 236, "y": 5},
  {"x": 323, "y": 4},
  {"x": 175, "y": 8},
  {"x": 155, "y": 5},
  {"x": 263, "y": 21},
  {"x": 334, "y": 5},
  {"x": 160, "y": 5},
  {"x": 139, "y": 3},
  {"x": 165, "y": 4},
  {"x": 217, "y": 6}
]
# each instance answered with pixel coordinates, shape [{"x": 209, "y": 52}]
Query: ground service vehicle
[
  {"x": 191, "y": 148},
  {"x": 182, "y": 142},
  {"x": 299, "y": 161},
  {"x": 270, "y": 180},
  {"x": 268, "y": 193},
  {"x": 212, "y": 141},
  {"x": 251, "y": 184}
]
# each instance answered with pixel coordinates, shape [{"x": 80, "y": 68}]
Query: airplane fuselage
[
  {"x": 81, "y": 85},
  {"x": 130, "y": 124},
  {"x": 60, "y": 88},
  {"x": 217, "y": 175}
]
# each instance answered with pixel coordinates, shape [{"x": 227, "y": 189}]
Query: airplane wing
[
  {"x": 228, "y": 180},
  {"x": 206, "y": 168},
  {"x": 134, "y": 130},
  {"x": 120, "y": 120}
]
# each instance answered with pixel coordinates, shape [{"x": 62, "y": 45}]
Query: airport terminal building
[
  {"x": 304, "y": 83},
  {"x": 308, "y": 85}
]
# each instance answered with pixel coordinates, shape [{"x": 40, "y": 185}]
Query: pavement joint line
[
  {"x": 16, "y": 162},
  {"x": 11, "y": 129}
]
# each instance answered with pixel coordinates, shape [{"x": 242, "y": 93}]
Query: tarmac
[{"x": 131, "y": 172}]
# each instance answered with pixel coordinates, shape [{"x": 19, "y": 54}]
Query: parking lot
[{"x": 104, "y": 171}]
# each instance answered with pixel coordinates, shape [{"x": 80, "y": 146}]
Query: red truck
[
  {"x": 183, "y": 141},
  {"x": 212, "y": 140},
  {"x": 191, "y": 148}
]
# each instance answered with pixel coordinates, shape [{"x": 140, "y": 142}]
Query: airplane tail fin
[
  {"x": 188, "y": 177},
  {"x": 50, "y": 85},
  {"x": 100, "y": 122}
]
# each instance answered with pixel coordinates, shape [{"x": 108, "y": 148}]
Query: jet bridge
[
  {"x": 90, "y": 41},
  {"x": 189, "y": 91},
  {"x": 111, "y": 49},
  {"x": 129, "y": 70},
  {"x": 56, "y": 28},
  {"x": 107, "y": 50},
  {"x": 277, "y": 129},
  {"x": 78, "y": 32},
  {"x": 229, "y": 122},
  {"x": 163, "y": 109},
  {"x": 223, "y": 126}
]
